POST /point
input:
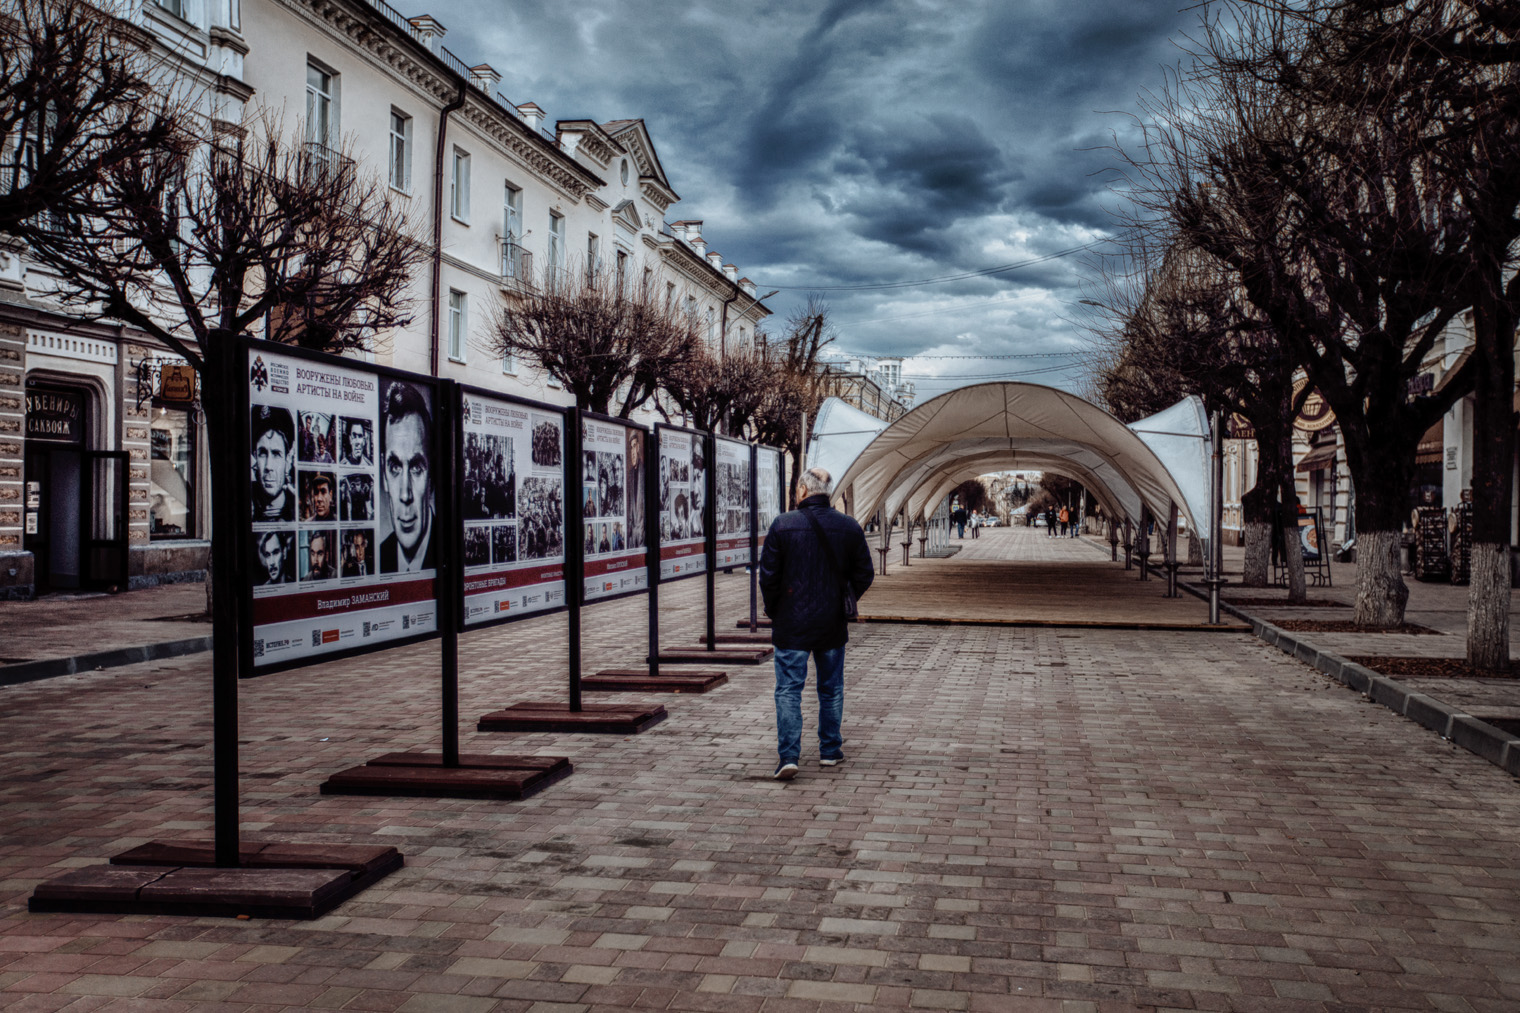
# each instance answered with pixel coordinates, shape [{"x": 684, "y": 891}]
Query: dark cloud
[{"x": 864, "y": 141}]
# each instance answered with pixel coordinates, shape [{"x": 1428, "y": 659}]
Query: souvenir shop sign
[
  {"x": 342, "y": 502},
  {"x": 615, "y": 561},
  {"x": 55, "y": 415},
  {"x": 683, "y": 499},
  {"x": 731, "y": 502},
  {"x": 511, "y": 498}
]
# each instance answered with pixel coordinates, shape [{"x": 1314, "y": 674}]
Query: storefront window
[{"x": 171, "y": 491}]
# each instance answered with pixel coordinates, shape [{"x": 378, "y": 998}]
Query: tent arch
[{"x": 998, "y": 426}]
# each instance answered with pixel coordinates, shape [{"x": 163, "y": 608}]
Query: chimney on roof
[
  {"x": 429, "y": 31},
  {"x": 485, "y": 77},
  {"x": 716, "y": 260},
  {"x": 694, "y": 237},
  {"x": 533, "y": 114},
  {"x": 731, "y": 271},
  {"x": 748, "y": 287}
]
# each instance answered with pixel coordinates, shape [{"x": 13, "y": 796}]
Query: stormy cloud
[{"x": 858, "y": 143}]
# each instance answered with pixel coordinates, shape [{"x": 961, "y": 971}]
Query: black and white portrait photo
[
  {"x": 273, "y": 557},
  {"x": 546, "y": 442},
  {"x": 541, "y": 518},
  {"x": 316, "y": 438},
  {"x": 356, "y": 497},
  {"x": 406, "y": 477},
  {"x": 490, "y": 478},
  {"x": 356, "y": 444},
  {"x": 273, "y": 463}
]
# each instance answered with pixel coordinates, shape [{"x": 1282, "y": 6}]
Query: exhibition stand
[{"x": 607, "y": 468}]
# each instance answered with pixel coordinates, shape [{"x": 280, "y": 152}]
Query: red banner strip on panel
[
  {"x": 677, "y": 551},
  {"x": 597, "y": 567},
  {"x": 338, "y": 601},
  {"x": 480, "y": 582}
]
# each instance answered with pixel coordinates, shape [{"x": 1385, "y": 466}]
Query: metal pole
[
  {"x": 575, "y": 556},
  {"x": 652, "y": 546},
  {"x": 1216, "y": 520},
  {"x": 450, "y": 584},
  {"x": 228, "y": 517},
  {"x": 709, "y": 524},
  {"x": 754, "y": 538}
]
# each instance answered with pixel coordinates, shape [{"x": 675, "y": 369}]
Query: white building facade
[{"x": 507, "y": 195}]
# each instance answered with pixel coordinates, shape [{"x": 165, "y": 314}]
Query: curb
[
  {"x": 1457, "y": 726},
  {"x": 31, "y": 671}
]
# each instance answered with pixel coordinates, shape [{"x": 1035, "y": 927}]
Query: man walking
[{"x": 812, "y": 556}]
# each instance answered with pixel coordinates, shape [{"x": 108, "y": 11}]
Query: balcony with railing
[
  {"x": 319, "y": 160},
  {"x": 516, "y": 266}
]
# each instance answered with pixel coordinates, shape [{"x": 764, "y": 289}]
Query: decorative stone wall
[{"x": 16, "y": 575}]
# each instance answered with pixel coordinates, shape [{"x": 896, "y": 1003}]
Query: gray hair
[{"x": 815, "y": 481}]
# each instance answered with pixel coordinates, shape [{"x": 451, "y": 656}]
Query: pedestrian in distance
[
  {"x": 814, "y": 567},
  {"x": 976, "y": 524},
  {"x": 958, "y": 518}
]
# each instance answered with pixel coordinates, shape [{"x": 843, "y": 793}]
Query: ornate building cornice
[
  {"x": 507, "y": 133},
  {"x": 656, "y": 195}
]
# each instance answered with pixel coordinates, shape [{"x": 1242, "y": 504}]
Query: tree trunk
[
  {"x": 1488, "y": 593},
  {"x": 1381, "y": 593},
  {"x": 1293, "y": 549},
  {"x": 1256, "y": 506},
  {"x": 1381, "y": 470},
  {"x": 1195, "y": 549}
]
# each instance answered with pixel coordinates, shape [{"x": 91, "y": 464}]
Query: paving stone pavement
[{"x": 1029, "y": 819}]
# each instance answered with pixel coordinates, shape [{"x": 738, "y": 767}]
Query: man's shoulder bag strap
[{"x": 847, "y": 588}]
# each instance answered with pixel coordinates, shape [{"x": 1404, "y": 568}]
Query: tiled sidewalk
[{"x": 1029, "y": 820}]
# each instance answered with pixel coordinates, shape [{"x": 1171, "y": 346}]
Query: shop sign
[
  {"x": 1315, "y": 414},
  {"x": 176, "y": 382},
  {"x": 55, "y": 415}
]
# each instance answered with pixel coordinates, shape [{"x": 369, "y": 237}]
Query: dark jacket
[{"x": 803, "y": 593}]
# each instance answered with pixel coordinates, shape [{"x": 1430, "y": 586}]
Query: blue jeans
[{"x": 791, "y": 676}]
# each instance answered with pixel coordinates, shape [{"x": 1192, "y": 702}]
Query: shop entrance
[{"x": 76, "y": 498}]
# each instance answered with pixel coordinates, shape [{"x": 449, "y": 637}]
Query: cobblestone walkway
[{"x": 1029, "y": 819}]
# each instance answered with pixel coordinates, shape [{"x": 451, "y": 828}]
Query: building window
[
  {"x": 509, "y": 364},
  {"x": 623, "y": 171},
  {"x": 401, "y": 151},
  {"x": 459, "y": 323},
  {"x": 321, "y": 106},
  {"x": 459, "y": 186},
  {"x": 593, "y": 257},
  {"x": 556, "y": 242},
  {"x": 171, "y": 473},
  {"x": 175, "y": 7},
  {"x": 511, "y": 235}
]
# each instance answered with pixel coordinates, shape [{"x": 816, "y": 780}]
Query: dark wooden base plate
[
  {"x": 534, "y": 716},
  {"x": 181, "y": 878},
  {"x": 760, "y": 638},
  {"x": 423, "y": 775},
  {"x": 722, "y": 656},
  {"x": 639, "y": 679},
  {"x": 743, "y": 624}
]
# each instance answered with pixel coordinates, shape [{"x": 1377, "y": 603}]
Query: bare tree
[
  {"x": 609, "y": 344},
  {"x": 258, "y": 234},
  {"x": 1185, "y": 327},
  {"x": 1460, "y": 61},
  {"x": 721, "y": 391},
  {"x": 77, "y": 100},
  {"x": 195, "y": 245},
  {"x": 795, "y": 392},
  {"x": 1332, "y": 212}
]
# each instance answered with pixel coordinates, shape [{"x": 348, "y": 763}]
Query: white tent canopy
[{"x": 913, "y": 463}]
